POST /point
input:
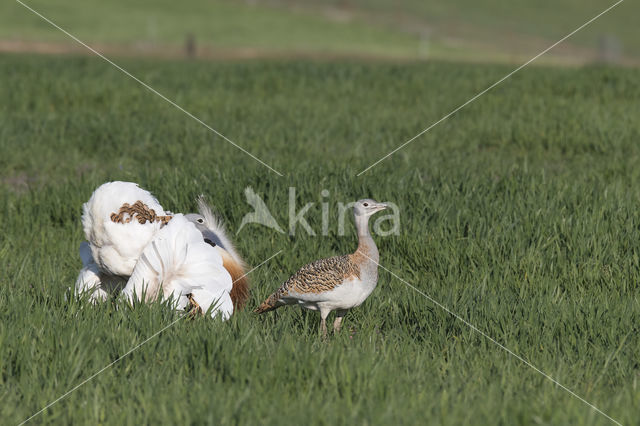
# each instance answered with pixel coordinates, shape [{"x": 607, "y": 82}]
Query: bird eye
[
  {"x": 366, "y": 204},
  {"x": 200, "y": 220}
]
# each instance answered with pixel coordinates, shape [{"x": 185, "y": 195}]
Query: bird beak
[
  {"x": 210, "y": 238},
  {"x": 381, "y": 206}
]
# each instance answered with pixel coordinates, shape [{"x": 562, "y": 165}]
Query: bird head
[
  {"x": 201, "y": 225},
  {"x": 367, "y": 207}
]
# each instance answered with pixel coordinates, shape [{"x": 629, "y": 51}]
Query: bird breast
[{"x": 351, "y": 293}]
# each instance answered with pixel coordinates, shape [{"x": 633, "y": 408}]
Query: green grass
[
  {"x": 486, "y": 31},
  {"x": 520, "y": 214},
  {"x": 519, "y": 25},
  {"x": 217, "y": 24}
]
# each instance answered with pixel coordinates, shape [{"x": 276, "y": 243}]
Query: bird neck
[{"x": 366, "y": 246}]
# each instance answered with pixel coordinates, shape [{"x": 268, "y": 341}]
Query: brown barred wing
[
  {"x": 322, "y": 275},
  {"x": 317, "y": 277}
]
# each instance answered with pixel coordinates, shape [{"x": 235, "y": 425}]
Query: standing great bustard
[
  {"x": 337, "y": 283},
  {"x": 133, "y": 243}
]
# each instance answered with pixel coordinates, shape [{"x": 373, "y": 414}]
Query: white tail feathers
[
  {"x": 116, "y": 247},
  {"x": 178, "y": 263}
]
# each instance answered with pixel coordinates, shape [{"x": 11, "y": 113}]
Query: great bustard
[
  {"x": 137, "y": 248},
  {"x": 338, "y": 283}
]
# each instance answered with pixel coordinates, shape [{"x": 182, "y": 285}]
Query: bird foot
[{"x": 193, "y": 309}]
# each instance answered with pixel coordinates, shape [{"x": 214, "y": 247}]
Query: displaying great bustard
[
  {"x": 337, "y": 283},
  {"x": 137, "y": 247}
]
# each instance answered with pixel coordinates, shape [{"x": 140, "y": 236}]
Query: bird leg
[
  {"x": 193, "y": 309},
  {"x": 323, "y": 323},
  {"x": 338, "y": 321},
  {"x": 323, "y": 327}
]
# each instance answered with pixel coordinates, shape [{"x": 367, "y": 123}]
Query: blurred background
[{"x": 394, "y": 30}]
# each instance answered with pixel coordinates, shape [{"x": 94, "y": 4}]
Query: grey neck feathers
[{"x": 366, "y": 245}]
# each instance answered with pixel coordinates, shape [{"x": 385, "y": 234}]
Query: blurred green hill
[{"x": 487, "y": 31}]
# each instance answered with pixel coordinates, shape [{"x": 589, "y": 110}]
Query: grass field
[
  {"x": 461, "y": 30},
  {"x": 515, "y": 26},
  {"x": 520, "y": 214},
  {"x": 217, "y": 24}
]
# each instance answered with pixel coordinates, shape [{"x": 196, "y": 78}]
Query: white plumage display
[
  {"x": 117, "y": 244},
  {"x": 133, "y": 241},
  {"x": 178, "y": 263},
  {"x": 92, "y": 280}
]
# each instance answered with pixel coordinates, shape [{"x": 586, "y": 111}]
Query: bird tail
[{"x": 272, "y": 302}]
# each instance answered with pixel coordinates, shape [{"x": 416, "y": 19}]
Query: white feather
[
  {"x": 89, "y": 282},
  {"x": 178, "y": 262},
  {"x": 116, "y": 247},
  {"x": 93, "y": 281}
]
